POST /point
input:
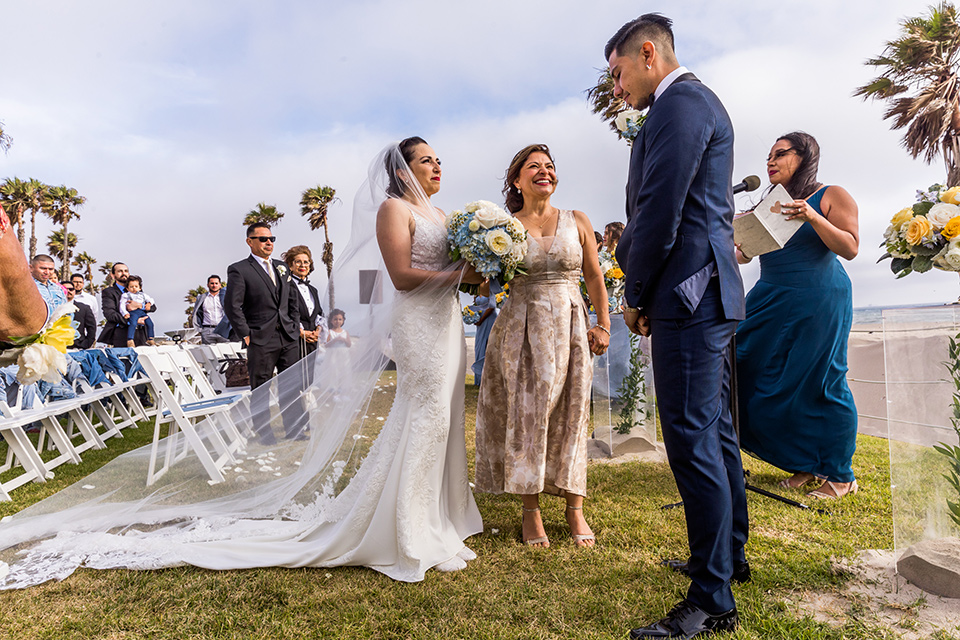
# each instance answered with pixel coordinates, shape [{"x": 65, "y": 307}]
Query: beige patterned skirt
[{"x": 533, "y": 414}]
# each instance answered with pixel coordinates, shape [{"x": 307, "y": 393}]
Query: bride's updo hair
[
  {"x": 396, "y": 188},
  {"x": 513, "y": 197}
]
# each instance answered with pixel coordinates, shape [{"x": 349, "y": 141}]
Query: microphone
[{"x": 750, "y": 183}]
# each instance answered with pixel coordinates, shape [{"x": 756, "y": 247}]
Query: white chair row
[
  {"x": 95, "y": 415},
  {"x": 198, "y": 418}
]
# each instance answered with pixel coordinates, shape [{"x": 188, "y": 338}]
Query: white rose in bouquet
[
  {"x": 941, "y": 213},
  {"x": 499, "y": 242},
  {"x": 485, "y": 213},
  {"x": 950, "y": 257},
  {"x": 517, "y": 226},
  {"x": 40, "y": 361}
]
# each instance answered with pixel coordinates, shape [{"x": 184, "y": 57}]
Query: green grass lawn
[{"x": 510, "y": 591}]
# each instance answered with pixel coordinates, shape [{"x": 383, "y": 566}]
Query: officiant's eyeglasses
[
  {"x": 779, "y": 153},
  {"x": 263, "y": 238}
]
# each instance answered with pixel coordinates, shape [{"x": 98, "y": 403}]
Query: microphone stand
[{"x": 735, "y": 415}]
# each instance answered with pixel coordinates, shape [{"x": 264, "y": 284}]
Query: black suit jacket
[
  {"x": 309, "y": 320},
  {"x": 115, "y": 326},
  {"x": 88, "y": 326},
  {"x": 259, "y": 309},
  {"x": 679, "y": 230}
]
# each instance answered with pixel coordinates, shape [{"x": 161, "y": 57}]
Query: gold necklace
[{"x": 548, "y": 218}]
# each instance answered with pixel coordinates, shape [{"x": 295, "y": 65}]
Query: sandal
[
  {"x": 542, "y": 541},
  {"x": 579, "y": 539},
  {"x": 797, "y": 480},
  {"x": 836, "y": 491}
]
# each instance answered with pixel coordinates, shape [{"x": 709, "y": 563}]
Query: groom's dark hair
[
  {"x": 654, "y": 27},
  {"x": 395, "y": 187}
]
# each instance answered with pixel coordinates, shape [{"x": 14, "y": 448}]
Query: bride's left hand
[{"x": 598, "y": 340}]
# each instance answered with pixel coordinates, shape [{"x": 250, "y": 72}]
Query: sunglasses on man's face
[{"x": 263, "y": 238}]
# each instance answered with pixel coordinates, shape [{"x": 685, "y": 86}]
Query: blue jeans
[{"x": 132, "y": 323}]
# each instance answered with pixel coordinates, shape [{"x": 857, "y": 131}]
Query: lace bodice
[{"x": 429, "y": 250}]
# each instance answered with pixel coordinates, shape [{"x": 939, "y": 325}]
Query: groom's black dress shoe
[
  {"x": 741, "y": 570},
  {"x": 686, "y": 620}
]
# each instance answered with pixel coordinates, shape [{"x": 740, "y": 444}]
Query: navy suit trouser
[{"x": 692, "y": 371}]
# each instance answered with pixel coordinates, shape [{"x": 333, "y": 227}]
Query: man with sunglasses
[{"x": 264, "y": 308}]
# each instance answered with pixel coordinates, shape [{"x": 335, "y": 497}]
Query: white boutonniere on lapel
[{"x": 282, "y": 270}]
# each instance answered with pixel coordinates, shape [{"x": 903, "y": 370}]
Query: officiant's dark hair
[
  {"x": 396, "y": 188},
  {"x": 650, "y": 26},
  {"x": 512, "y": 196},
  {"x": 804, "y": 182}
]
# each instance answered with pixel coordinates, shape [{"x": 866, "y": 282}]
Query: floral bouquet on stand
[
  {"x": 613, "y": 280},
  {"x": 925, "y": 235},
  {"x": 490, "y": 239}
]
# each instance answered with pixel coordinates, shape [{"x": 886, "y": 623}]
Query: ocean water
[{"x": 874, "y": 315}]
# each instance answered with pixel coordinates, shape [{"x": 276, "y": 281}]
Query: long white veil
[{"x": 112, "y": 519}]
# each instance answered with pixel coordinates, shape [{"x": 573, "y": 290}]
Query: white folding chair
[{"x": 214, "y": 441}]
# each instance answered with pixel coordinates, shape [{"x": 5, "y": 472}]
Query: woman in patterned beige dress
[{"x": 533, "y": 413}]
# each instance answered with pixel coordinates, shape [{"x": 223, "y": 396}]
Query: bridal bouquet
[
  {"x": 925, "y": 235},
  {"x": 490, "y": 239}
]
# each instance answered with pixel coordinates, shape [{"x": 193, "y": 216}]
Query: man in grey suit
[
  {"x": 209, "y": 315},
  {"x": 263, "y": 306}
]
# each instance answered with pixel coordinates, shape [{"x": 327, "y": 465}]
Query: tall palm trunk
[
  {"x": 328, "y": 262},
  {"x": 65, "y": 254},
  {"x": 33, "y": 233},
  {"x": 21, "y": 227}
]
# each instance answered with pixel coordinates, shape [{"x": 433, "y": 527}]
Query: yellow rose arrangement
[{"x": 925, "y": 235}]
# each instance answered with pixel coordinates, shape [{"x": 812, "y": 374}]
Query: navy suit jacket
[
  {"x": 256, "y": 307},
  {"x": 679, "y": 231}
]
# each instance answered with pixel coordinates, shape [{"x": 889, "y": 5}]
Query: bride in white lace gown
[{"x": 407, "y": 508}]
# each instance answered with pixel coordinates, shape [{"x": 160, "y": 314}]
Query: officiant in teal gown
[{"x": 796, "y": 409}]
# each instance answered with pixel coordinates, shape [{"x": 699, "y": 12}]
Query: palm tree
[
  {"x": 602, "y": 100},
  {"x": 5, "y": 139},
  {"x": 107, "y": 270},
  {"x": 266, "y": 213},
  {"x": 61, "y": 203},
  {"x": 55, "y": 246},
  {"x": 84, "y": 262},
  {"x": 14, "y": 193},
  {"x": 314, "y": 203},
  {"x": 924, "y": 59},
  {"x": 36, "y": 193},
  {"x": 191, "y": 298}
]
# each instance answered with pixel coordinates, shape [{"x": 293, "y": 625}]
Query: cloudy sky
[{"x": 175, "y": 118}]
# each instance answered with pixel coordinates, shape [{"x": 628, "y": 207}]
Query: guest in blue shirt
[{"x": 43, "y": 270}]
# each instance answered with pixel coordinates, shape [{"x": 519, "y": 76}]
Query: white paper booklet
[{"x": 765, "y": 229}]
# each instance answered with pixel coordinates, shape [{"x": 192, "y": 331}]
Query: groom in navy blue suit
[{"x": 684, "y": 290}]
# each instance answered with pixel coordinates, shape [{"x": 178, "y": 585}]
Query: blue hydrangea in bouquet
[{"x": 490, "y": 239}]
